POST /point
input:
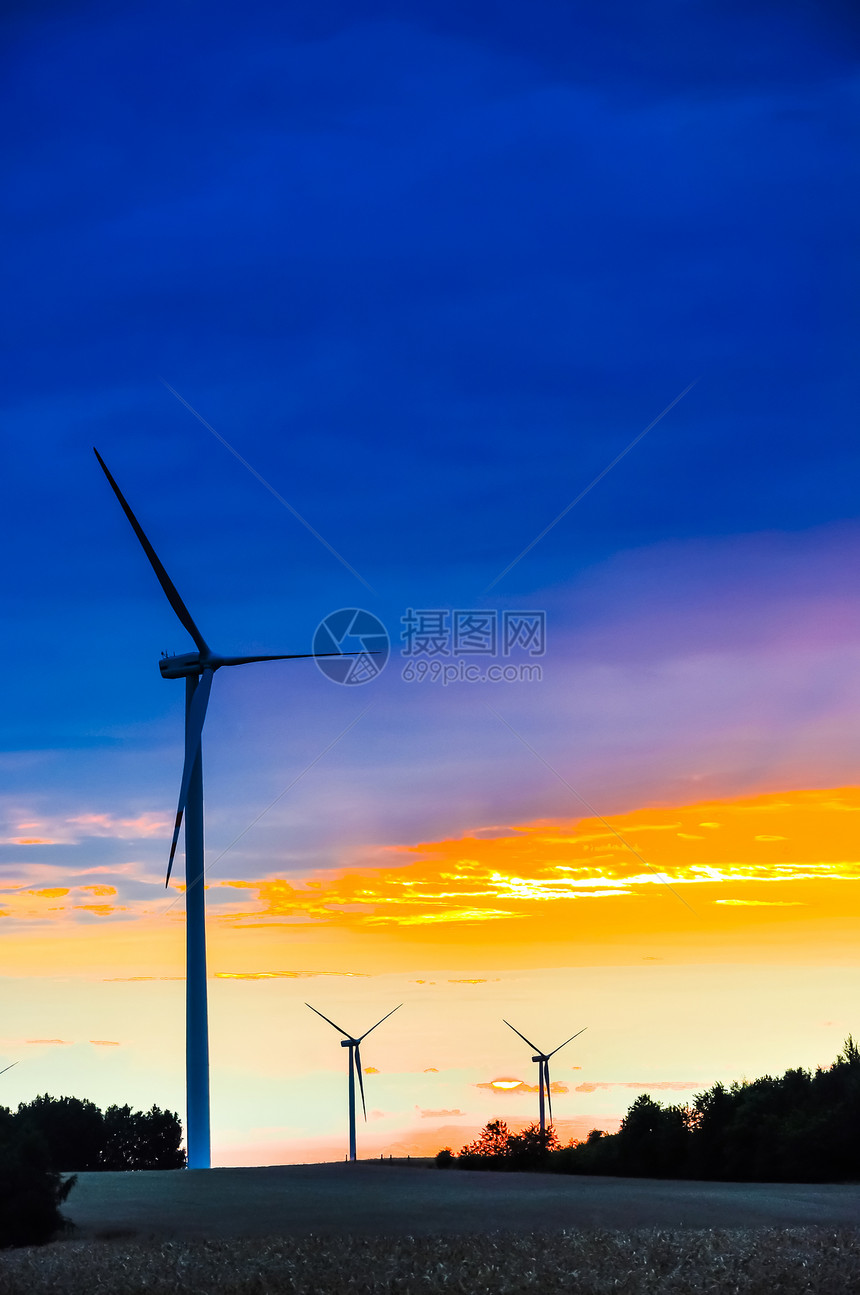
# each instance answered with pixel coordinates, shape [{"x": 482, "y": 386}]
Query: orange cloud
[
  {"x": 517, "y": 1086},
  {"x": 286, "y": 975},
  {"x": 786, "y": 851},
  {"x": 105, "y": 1043},
  {"x": 721, "y": 877},
  {"x": 438, "y": 1115},
  {"x": 65, "y": 1042}
]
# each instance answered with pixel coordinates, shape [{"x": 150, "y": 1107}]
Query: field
[{"x": 368, "y": 1228}]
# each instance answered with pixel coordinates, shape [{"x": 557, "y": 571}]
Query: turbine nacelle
[{"x": 188, "y": 663}]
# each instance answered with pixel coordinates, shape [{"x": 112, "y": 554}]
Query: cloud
[
  {"x": 517, "y": 1086},
  {"x": 431, "y": 1070},
  {"x": 105, "y": 1043},
  {"x": 762, "y": 903},
  {"x": 286, "y": 975},
  {"x": 539, "y": 868},
  {"x": 533, "y": 871},
  {"x": 438, "y": 1115},
  {"x": 371, "y": 1070},
  {"x": 660, "y": 1085},
  {"x": 64, "y": 1042}
]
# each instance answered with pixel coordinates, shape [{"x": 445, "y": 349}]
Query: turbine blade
[
  {"x": 163, "y": 578},
  {"x": 9, "y": 1067},
  {"x": 193, "y": 734},
  {"x": 289, "y": 656},
  {"x": 533, "y": 1046},
  {"x": 385, "y": 1018},
  {"x": 547, "y": 1087},
  {"x": 570, "y": 1040},
  {"x": 325, "y": 1018},
  {"x": 356, "y": 1061}
]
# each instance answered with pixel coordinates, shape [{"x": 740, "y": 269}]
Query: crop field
[
  {"x": 370, "y": 1227},
  {"x": 796, "y": 1261}
]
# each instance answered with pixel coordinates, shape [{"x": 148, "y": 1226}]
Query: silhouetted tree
[
  {"x": 71, "y": 1129},
  {"x": 498, "y": 1148},
  {"x": 78, "y": 1136},
  {"x": 141, "y": 1139},
  {"x": 800, "y": 1127}
]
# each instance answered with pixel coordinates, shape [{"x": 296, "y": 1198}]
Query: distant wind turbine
[
  {"x": 542, "y": 1059},
  {"x": 198, "y": 670},
  {"x": 354, "y": 1068}
]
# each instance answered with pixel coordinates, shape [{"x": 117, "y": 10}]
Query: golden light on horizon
[{"x": 506, "y": 1083}]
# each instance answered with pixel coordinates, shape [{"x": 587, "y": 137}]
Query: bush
[
  {"x": 445, "y": 1158},
  {"x": 31, "y": 1190}
]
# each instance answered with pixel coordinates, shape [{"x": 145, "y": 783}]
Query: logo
[{"x": 355, "y": 631}]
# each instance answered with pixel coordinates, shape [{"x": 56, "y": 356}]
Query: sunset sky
[{"x": 358, "y": 302}]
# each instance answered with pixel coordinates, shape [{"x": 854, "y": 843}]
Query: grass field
[{"x": 796, "y": 1261}]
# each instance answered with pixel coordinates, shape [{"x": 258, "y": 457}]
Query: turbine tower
[
  {"x": 354, "y": 1068},
  {"x": 542, "y": 1059},
  {"x": 198, "y": 670}
]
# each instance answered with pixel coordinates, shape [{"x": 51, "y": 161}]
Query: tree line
[
  {"x": 801, "y": 1127},
  {"x": 79, "y": 1136}
]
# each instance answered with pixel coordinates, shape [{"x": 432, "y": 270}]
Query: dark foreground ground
[
  {"x": 371, "y": 1229},
  {"x": 371, "y": 1199}
]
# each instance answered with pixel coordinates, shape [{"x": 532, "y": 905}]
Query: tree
[
  {"x": 78, "y": 1136},
  {"x": 71, "y": 1129},
  {"x": 141, "y": 1139},
  {"x": 492, "y": 1143}
]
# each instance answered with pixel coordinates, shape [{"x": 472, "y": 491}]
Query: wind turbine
[
  {"x": 542, "y": 1059},
  {"x": 198, "y": 670},
  {"x": 354, "y": 1068},
  {"x": 9, "y": 1067}
]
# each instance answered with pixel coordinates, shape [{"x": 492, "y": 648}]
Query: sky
[{"x": 530, "y": 332}]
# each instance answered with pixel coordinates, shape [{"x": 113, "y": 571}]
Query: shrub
[{"x": 31, "y": 1190}]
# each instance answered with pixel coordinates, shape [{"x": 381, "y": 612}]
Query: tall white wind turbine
[
  {"x": 354, "y": 1046},
  {"x": 198, "y": 670},
  {"x": 542, "y": 1059}
]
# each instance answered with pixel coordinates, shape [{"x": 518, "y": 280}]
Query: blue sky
[{"x": 428, "y": 269}]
